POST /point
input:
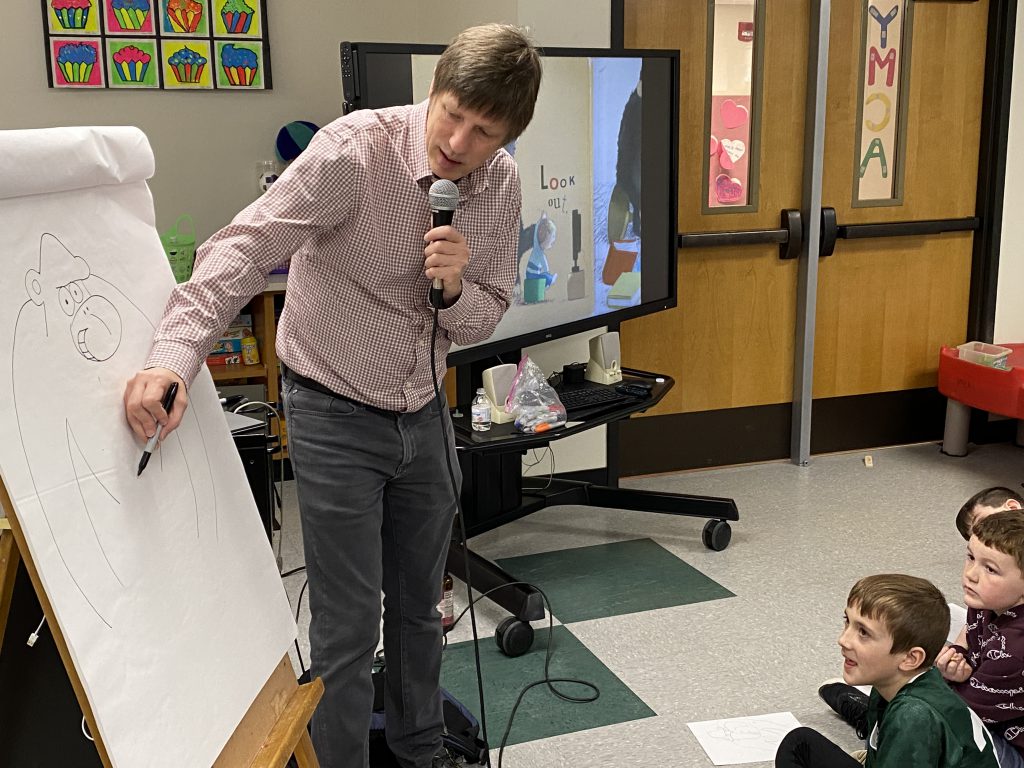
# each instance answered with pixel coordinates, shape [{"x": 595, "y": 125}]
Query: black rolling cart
[{"x": 493, "y": 494}]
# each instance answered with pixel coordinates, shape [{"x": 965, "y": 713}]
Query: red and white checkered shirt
[{"x": 351, "y": 213}]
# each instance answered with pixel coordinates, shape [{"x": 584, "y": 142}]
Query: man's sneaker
[{"x": 847, "y": 702}]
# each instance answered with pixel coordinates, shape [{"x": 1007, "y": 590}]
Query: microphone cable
[
  {"x": 471, "y": 609},
  {"x": 462, "y": 525},
  {"x": 547, "y": 679}
]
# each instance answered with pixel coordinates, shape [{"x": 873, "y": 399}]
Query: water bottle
[
  {"x": 447, "y": 605},
  {"x": 481, "y": 411}
]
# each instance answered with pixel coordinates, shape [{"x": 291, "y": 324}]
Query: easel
[{"x": 272, "y": 730}]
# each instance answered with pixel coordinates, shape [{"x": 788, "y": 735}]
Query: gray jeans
[
  {"x": 377, "y": 509},
  {"x": 1006, "y": 753}
]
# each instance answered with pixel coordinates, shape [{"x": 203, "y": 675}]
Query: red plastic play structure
[{"x": 969, "y": 385}]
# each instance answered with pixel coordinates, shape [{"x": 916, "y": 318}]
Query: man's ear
[
  {"x": 1012, "y": 504},
  {"x": 912, "y": 659},
  {"x": 34, "y": 287}
]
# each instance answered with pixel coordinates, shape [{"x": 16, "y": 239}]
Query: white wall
[{"x": 1009, "y": 300}]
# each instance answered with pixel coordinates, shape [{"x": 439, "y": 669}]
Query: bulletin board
[{"x": 157, "y": 44}]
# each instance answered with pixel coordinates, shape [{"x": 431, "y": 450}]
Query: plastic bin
[
  {"x": 981, "y": 353},
  {"x": 180, "y": 245}
]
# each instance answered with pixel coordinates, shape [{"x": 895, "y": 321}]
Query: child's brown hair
[
  {"x": 996, "y": 496},
  {"x": 913, "y": 610},
  {"x": 1004, "y": 532}
]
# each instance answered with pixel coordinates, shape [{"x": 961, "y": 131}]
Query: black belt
[{"x": 316, "y": 386}]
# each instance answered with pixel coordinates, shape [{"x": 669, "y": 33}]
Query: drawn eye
[
  {"x": 67, "y": 303},
  {"x": 76, "y": 292}
]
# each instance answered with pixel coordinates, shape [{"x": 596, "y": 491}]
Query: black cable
[
  {"x": 462, "y": 529},
  {"x": 298, "y": 607},
  {"x": 547, "y": 679}
]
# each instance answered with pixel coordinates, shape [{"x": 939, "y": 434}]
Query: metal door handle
[
  {"x": 908, "y": 228},
  {"x": 829, "y": 232},
  {"x": 789, "y": 236}
]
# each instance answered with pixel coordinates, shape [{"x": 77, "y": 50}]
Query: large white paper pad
[
  {"x": 163, "y": 585},
  {"x": 739, "y": 740}
]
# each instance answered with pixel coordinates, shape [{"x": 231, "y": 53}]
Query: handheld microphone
[{"x": 444, "y": 199}]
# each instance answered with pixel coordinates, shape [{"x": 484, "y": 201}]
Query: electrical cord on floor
[
  {"x": 462, "y": 526},
  {"x": 547, "y": 679}
]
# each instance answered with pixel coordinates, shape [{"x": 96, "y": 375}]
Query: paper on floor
[{"x": 743, "y": 739}]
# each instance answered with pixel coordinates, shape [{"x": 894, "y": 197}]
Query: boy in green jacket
[{"x": 895, "y": 626}]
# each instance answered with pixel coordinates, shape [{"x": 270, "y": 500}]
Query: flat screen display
[{"x": 598, "y": 168}]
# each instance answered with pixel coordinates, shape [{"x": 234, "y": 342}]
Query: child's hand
[{"x": 952, "y": 665}]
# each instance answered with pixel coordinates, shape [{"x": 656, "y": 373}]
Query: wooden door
[{"x": 884, "y": 305}]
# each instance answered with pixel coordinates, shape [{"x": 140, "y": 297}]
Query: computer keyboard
[{"x": 586, "y": 398}]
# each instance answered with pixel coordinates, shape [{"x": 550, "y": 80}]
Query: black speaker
[{"x": 254, "y": 447}]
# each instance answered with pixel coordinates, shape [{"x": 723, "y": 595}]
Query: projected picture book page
[
  {"x": 163, "y": 585},
  {"x": 579, "y": 253}
]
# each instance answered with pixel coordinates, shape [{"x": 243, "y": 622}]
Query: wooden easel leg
[
  {"x": 304, "y": 754},
  {"x": 8, "y": 570}
]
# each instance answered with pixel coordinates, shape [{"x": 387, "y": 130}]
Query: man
[{"x": 364, "y": 429}]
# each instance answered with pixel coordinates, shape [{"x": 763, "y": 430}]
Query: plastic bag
[{"x": 533, "y": 401}]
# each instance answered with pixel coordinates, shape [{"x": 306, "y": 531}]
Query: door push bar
[
  {"x": 831, "y": 231},
  {"x": 789, "y": 236}
]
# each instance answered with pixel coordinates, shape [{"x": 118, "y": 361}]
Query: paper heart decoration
[
  {"x": 732, "y": 151},
  {"x": 734, "y": 115},
  {"x": 728, "y": 189},
  {"x": 714, "y": 146}
]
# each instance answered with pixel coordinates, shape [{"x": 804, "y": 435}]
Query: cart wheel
[
  {"x": 716, "y": 535},
  {"x": 514, "y": 637}
]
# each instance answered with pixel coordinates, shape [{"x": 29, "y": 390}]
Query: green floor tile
[
  {"x": 613, "y": 579},
  {"x": 541, "y": 714}
]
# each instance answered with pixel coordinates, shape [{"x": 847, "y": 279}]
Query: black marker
[{"x": 168, "y": 403}]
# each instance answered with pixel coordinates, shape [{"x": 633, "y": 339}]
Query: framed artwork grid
[{"x": 157, "y": 44}]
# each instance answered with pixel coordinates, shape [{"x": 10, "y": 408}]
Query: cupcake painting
[
  {"x": 75, "y": 63},
  {"x": 239, "y": 66},
  {"x": 129, "y": 16},
  {"x": 237, "y": 17},
  {"x": 157, "y": 44},
  {"x": 185, "y": 17},
  {"x": 185, "y": 64},
  {"x": 76, "y": 16},
  {"x": 132, "y": 63}
]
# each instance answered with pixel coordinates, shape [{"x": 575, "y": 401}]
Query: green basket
[{"x": 180, "y": 246}]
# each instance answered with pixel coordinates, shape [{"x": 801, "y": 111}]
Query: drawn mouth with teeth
[{"x": 96, "y": 329}]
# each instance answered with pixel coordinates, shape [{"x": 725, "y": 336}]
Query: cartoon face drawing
[
  {"x": 62, "y": 288},
  {"x": 68, "y": 334}
]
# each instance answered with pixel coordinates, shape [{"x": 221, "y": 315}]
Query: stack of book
[{"x": 236, "y": 346}]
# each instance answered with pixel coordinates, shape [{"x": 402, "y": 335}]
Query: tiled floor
[{"x": 805, "y": 535}]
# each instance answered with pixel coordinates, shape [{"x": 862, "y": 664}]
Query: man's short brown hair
[
  {"x": 493, "y": 69},
  {"x": 1004, "y": 532},
  {"x": 912, "y": 609}
]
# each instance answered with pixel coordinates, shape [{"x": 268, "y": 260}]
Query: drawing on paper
[
  {"x": 72, "y": 323},
  {"x": 748, "y": 731}
]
